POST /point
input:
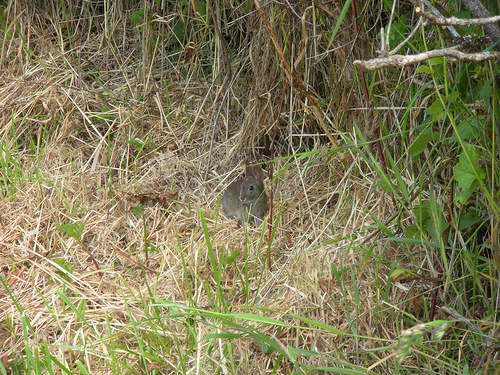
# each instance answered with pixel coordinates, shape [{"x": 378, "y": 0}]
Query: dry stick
[
  {"x": 438, "y": 19},
  {"x": 484, "y": 19},
  {"x": 405, "y": 60},
  {"x": 456, "y": 21},
  {"x": 385, "y": 41},
  {"x": 479, "y": 11},
  {"x": 294, "y": 81},
  {"x": 437, "y": 13},
  {"x": 400, "y": 45}
]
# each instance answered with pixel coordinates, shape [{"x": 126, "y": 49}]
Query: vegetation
[{"x": 123, "y": 122}]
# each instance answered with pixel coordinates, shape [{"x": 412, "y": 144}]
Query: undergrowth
[{"x": 123, "y": 124}]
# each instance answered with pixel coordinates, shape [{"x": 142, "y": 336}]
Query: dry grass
[{"x": 108, "y": 119}]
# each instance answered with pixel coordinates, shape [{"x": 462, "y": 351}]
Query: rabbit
[{"x": 245, "y": 198}]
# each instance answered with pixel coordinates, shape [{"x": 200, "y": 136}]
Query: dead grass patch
[{"x": 91, "y": 132}]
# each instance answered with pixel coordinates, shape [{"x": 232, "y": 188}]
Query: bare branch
[
  {"x": 437, "y": 14},
  {"x": 478, "y": 10},
  {"x": 400, "y": 45},
  {"x": 456, "y": 21},
  {"x": 405, "y": 60}
]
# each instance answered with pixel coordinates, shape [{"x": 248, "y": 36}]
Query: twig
[
  {"x": 478, "y": 10},
  {"x": 456, "y": 21},
  {"x": 405, "y": 60},
  {"x": 400, "y": 45},
  {"x": 454, "y": 33}
]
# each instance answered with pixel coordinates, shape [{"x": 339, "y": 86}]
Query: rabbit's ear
[
  {"x": 257, "y": 172},
  {"x": 248, "y": 170}
]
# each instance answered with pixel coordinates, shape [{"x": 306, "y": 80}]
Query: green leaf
[
  {"x": 468, "y": 128},
  {"x": 411, "y": 231},
  {"x": 386, "y": 185},
  {"x": 469, "y": 219},
  {"x": 400, "y": 273},
  {"x": 71, "y": 230},
  {"x": 485, "y": 91},
  {"x": 422, "y": 212},
  {"x": 179, "y": 30},
  {"x": 66, "y": 266},
  {"x": 467, "y": 173},
  {"x": 137, "y": 16},
  {"x": 304, "y": 351},
  {"x": 421, "y": 141},
  {"x": 230, "y": 259},
  {"x": 150, "y": 248},
  {"x": 434, "y": 224},
  {"x": 437, "y": 111},
  {"x": 264, "y": 345},
  {"x": 136, "y": 143},
  {"x": 201, "y": 7},
  {"x": 138, "y": 210},
  {"x": 425, "y": 69},
  {"x": 436, "y": 61}
]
